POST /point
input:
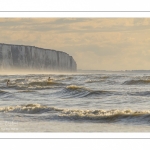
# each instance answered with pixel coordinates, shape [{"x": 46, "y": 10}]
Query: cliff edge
[{"x": 21, "y": 57}]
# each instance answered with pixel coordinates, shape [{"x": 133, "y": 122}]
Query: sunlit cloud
[{"x": 95, "y": 43}]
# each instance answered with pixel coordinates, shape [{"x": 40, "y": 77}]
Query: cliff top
[{"x": 35, "y": 47}]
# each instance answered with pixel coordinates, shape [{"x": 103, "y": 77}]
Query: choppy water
[{"x": 91, "y": 101}]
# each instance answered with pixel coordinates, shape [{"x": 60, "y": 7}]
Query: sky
[{"x": 94, "y": 43}]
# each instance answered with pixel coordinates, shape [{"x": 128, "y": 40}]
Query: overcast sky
[{"x": 95, "y": 43}]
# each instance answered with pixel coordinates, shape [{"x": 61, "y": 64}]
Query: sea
[{"x": 84, "y": 101}]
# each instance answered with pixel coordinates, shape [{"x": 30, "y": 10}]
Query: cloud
[
  {"x": 95, "y": 43},
  {"x": 74, "y": 25}
]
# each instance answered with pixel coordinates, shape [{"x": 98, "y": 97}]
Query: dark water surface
[{"x": 80, "y": 102}]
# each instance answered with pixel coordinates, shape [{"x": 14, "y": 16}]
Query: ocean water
[{"x": 100, "y": 101}]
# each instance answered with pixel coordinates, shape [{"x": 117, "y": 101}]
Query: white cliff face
[{"x": 34, "y": 58}]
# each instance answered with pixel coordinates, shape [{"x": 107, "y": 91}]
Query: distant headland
[{"x": 21, "y": 57}]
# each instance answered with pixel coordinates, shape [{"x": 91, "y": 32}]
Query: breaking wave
[
  {"x": 44, "y": 83},
  {"x": 79, "y": 91},
  {"x": 97, "y": 79},
  {"x": 21, "y": 84},
  {"x": 97, "y": 115},
  {"x": 134, "y": 82},
  {"x": 75, "y": 87},
  {"x": 94, "y": 81},
  {"x": 143, "y": 93},
  {"x": 106, "y": 115},
  {"x": 29, "y": 108}
]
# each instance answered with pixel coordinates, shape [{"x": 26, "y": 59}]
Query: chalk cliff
[{"x": 33, "y": 58}]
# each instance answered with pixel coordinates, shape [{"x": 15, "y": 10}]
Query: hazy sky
[{"x": 95, "y": 43}]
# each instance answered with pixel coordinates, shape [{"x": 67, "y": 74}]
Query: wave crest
[
  {"x": 134, "y": 82},
  {"x": 82, "y": 115},
  {"x": 43, "y": 83},
  {"x": 79, "y": 91},
  {"x": 75, "y": 87},
  {"x": 29, "y": 108},
  {"x": 104, "y": 116},
  {"x": 94, "y": 81}
]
